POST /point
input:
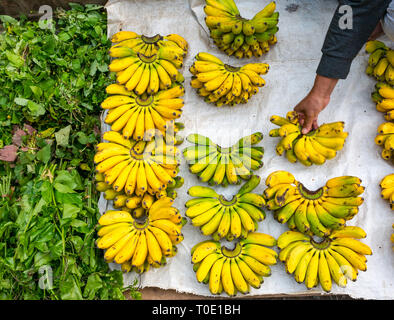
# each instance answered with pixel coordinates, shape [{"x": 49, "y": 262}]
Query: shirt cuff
[{"x": 333, "y": 67}]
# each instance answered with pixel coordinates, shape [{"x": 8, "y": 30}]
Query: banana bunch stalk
[
  {"x": 222, "y": 218},
  {"x": 138, "y": 244},
  {"x": 136, "y": 205},
  {"x": 234, "y": 270},
  {"x": 141, "y": 116},
  {"x": 136, "y": 167},
  {"x": 335, "y": 258},
  {"x": 223, "y": 166},
  {"x": 313, "y": 212},
  {"x": 385, "y": 139},
  {"x": 222, "y": 84},
  {"x": 381, "y": 67},
  {"x": 314, "y": 147},
  {"x": 147, "y": 73},
  {"x": 387, "y": 189},
  {"x": 149, "y": 45},
  {"x": 237, "y": 36}
]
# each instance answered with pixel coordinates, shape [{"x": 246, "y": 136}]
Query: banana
[
  {"x": 346, "y": 267},
  {"x": 289, "y": 237},
  {"x": 302, "y": 266},
  {"x": 380, "y": 67},
  {"x": 324, "y": 272},
  {"x": 206, "y": 216},
  {"x": 284, "y": 213},
  {"x": 315, "y": 224},
  {"x": 260, "y": 253},
  {"x": 267, "y": 11},
  {"x": 246, "y": 220},
  {"x": 227, "y": 281},
  {"x": 328, "y": 220},
  {"x": 311, "y": 276},
  {"x": 215, "y": 275},
  {"x": 141, "y": 251},
  {"x": 205, "y": 266},
  {"x": 110, "y": 238},
  {"x": 163, "y": 239},
  {"x": 240, "y": 283},
  {"x": 354, "y": 245},
  {"x": 354, "y": 258},
  {"x": 203, "y": 249},
  {"x": 212, "y": 225}
]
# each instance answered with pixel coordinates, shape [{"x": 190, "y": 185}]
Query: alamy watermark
[
  {"x": 346, "y": 20},
  {"x": 45, "y": 21}
]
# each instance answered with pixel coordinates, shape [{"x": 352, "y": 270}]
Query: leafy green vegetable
[{"x": 53, "y": 80}]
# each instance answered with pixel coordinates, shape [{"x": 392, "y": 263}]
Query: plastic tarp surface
[{"x": 293, "y": 62}]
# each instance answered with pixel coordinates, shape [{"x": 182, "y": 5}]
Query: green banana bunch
[
  {"x": 313, "y": 148},
  {"x": 237, "y": 36},
  {"x": 223, "y": 166},
  {"x": 222, "y": 218},
  {"x": 336, "y": 258},
  {"x": 234, "y": 270},
  {"x": 222, "y": 84},
  {"x": 313, "y": 212}
]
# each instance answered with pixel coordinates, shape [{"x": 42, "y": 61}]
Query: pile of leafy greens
[{"x": 52, "y": 81}]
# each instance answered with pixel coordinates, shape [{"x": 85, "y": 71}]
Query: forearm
[
  {"x": 323, "y": 87},
  {"x": 342, "y": 45}
]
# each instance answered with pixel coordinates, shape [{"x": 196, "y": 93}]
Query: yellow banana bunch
[
  {"x": 222, "y": 218},
  {"x": 237, "y": 269},
  {"x": 385, "y": 139},
  {"x": 222, "y": 84},
  {"x": 387, "y": 189},
  {"x": 137, "y": 206},
  {"x": 148, "y": 46},
  {"x": 336, "y": 258},
  {"x": 313, "y": 148},
  {"x": 137, "y": 244},
  {"x": 141, "y": 116},
  {"x": 136, "y": 167},
  {"x": 216, "y": 165},
  {"x": 147, "y": 73},
  {"x": 237, "y": 36},
  {"x": 313, "y": 212}
]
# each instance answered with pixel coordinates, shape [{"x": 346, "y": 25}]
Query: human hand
[{"x": 308, "y": 109}]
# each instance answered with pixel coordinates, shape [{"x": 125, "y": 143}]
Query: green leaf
[
  {"x": 35, "y": 109},
  {"x": 69, "y": 289},
  {"x": 70, "y": 211},
  {"x": 36, "y": 91},
  {"x": 8, "y": 19},
  {"x": 93, "y": 285},
  {"x": 16, "y": 60},
  {"x": 62, "y": 136},
  {"x": 44, "y": 154},
  {"x": 21, "y": 101}
]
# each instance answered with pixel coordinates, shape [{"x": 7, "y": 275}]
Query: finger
[
  {"x": 301, "y": 118},
  {"x": 307, "y": 126},
  {"x": 315, "y": 126}
]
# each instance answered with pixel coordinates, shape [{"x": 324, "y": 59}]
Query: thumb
[{"x": 307, "y": 125}]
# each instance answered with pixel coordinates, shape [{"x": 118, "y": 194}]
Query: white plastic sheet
[{"x": 293, "y": 62}]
